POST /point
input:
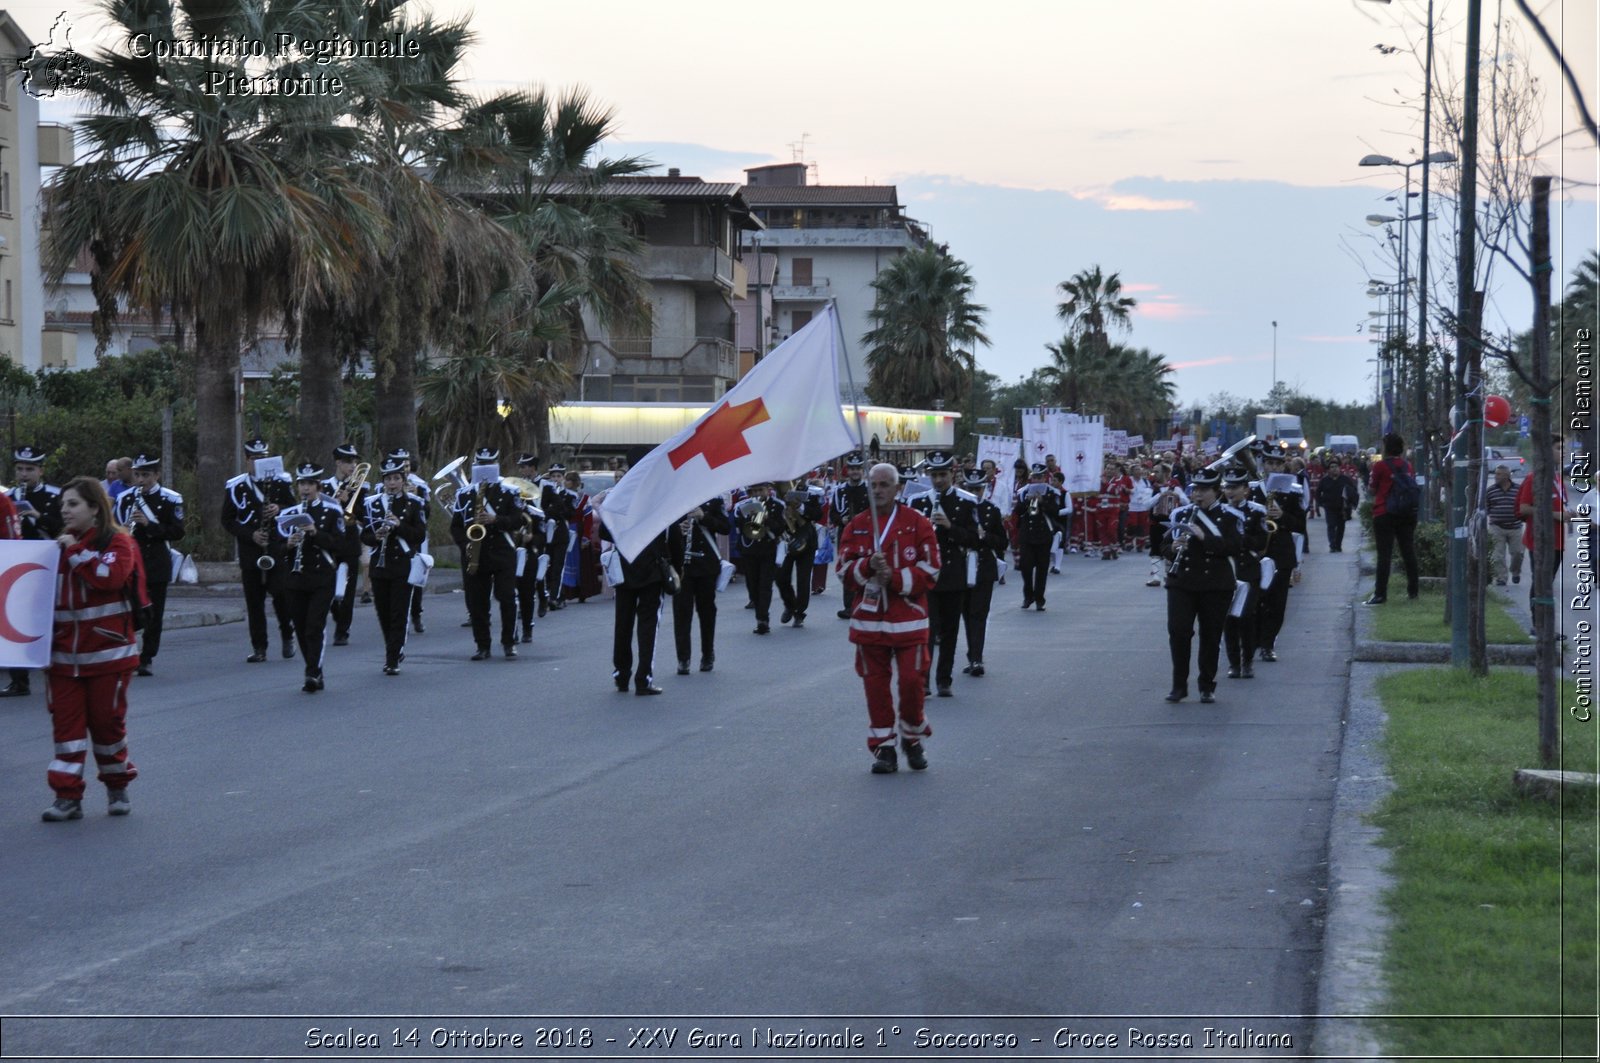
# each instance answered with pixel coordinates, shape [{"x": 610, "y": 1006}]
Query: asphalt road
[{"x": 517, "y": 839}]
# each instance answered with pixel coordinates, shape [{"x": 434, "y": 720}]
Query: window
[
  {"x": 5, "y": 192},
  {"x": 799, "y": 319},
  {"x": 8, "y": 301},
  {"x": 800, "y": 270}
]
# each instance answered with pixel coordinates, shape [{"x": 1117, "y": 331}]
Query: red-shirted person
[
  {"x": 1394, "y": 524},
  {"x": 93, "y": 651},
  {"x": 10, "y": 523},
  {"x": 1558, "y": 504},
  {"x": 895, "y": 562}
]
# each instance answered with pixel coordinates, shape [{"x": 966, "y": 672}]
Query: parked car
[{"x": 1493, "y": 456}]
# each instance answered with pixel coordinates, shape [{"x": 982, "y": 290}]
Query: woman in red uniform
[{"x": 93, "y": 651}]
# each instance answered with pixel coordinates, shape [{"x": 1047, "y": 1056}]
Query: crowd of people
[{"x": 919, "y": 552}]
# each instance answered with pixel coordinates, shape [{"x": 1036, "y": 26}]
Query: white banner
[
  {"x": 27, "y": 601},
  {"x": 1117, "y": 441},
  {"x": 1042, "y": 434},
  {"x": 1083, "y": 457},
  {"x": 1004, "y": 452},
  {"x": 1135, "y": 442}
]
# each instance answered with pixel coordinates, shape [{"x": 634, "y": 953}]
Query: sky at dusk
[{"x": 1205, "y": 152}]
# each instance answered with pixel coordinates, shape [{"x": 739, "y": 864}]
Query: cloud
[
  {"x": 1141, "y": 287},
  {"x": 1168, "y": 308},
  {"x": 1110, "y": 199},
  {"x": 1226, "y": 359},
  {"x": 1362, "y": 338}
]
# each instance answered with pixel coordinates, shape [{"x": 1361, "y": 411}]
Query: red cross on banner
[{"x": 720, "y": 437}]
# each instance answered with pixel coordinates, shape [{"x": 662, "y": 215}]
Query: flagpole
[{"x": 838, "y": 330}]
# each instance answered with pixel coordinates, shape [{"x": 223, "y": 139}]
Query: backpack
[{"x": 1404, "y": 494}]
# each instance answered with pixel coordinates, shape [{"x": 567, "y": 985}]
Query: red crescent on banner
[{"x": 8, "y": 579}]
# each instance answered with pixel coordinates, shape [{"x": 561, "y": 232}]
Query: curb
[
  {"x": 1436, "y": 653},
  {"x": 180, "y": 620}
]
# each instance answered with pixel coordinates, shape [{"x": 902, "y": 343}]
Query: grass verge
[
  {"x": 1495, "y": 894},
  {"x": 1403, "y": 620}
]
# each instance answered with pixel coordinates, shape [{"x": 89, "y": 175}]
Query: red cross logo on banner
[
  {"x": 1080, "y": 457},
  {"x": 720, "y": 437},
  {"x": 8, "y": 579}
]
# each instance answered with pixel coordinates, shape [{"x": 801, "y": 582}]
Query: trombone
[{"x": 354, "y": 483}]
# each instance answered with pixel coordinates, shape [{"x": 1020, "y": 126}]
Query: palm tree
[
  {"x": 1129, "y": 387},
  {"x": 1093, "y": 305},
  {"x": 217, "y": 209},
  {"x": 925, "y": 325}
]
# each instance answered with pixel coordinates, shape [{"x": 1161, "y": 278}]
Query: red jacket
[
  {"x": 94, "y": 624},
  {"x": 912, "y": 550}
]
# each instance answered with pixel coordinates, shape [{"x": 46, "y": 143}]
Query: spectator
[
  {"x": 119, "y": 476},
  {"x": 1505, "y": 527},
  {"x": 1563, "y": 513},
  {"x": 1393, "y": 528}
]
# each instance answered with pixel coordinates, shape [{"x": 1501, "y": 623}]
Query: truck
[
  {"x": 1273, "y": 427},
  {"x": 1342, "y": 444}
]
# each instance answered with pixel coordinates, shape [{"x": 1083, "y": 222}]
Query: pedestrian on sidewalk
[
  {"x": 1505, "y": 527},
  {"x": 1563, "y": 513},
  {"x": 1337, "y": 496},
  {"x": 1395, "y": 499}
]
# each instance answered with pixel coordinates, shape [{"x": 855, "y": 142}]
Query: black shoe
[
  {"x": 647, "y": 689},
  {"x": 288, "y": 648},
  {"x": 622, "y": 684},
  {"x": 1247, "y": 672},
  {"x": 763, "y": 629},
  {"x": 1177, "y": 694},
  {"x": 916, "y": 760},
  {"x": 1027, "y": 604},
  {"x": 844, "y": 614},
  {"x": 1269, "y": 655},
  {"x": 466, "y": 623},
  {"x": 967, "y": 670},
  {"x": 416, "y": 626},
  {"x": 527, "y": 634},
  {"x": 884, "y": 761},
  {"x": 144, "y": 670},
  {"x": 1039, "y": 606},
  {"x": 1233, "y": 673},
  {"x": 1376, "y": 599},
  {"x": 1516, "y": 579},
  {"x": 786, "y": 617},
  {"x": 341, "y": 640},
  {"x": 706, "y": 662},
  {"x": 255, "y": 658},
  {"x": 683, "y": 667},
  {"x": 977, "y": 669},
  {"x": 509, "y": 650},
  {"x": 799, "y": 621},
  {"x": 749, "y": 605},
  {"x": 945, "y": 691},
  {"x": 366, "y": 599},
  {"x": 482, "y": 654},
  {"x": 15, "y": 690},
  {"x": 1207, "y": 697},
  {"x": 391, "y": 669},
  {"x": 311, "y": 686}
]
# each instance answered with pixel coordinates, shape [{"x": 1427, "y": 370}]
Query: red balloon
[{"x": 1496, "y": 411}]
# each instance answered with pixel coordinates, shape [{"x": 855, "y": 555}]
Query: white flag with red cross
[
  {"x": 782, "y": 420},
  {"x": 27, "y": 601}
]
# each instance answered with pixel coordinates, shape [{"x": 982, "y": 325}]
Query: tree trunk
[
  {"x": 319, "y": 422},
  {"x": 217, "y": 401},
  {"x": 395, "y": 402},
  {"x": 1544, "y": 532}
]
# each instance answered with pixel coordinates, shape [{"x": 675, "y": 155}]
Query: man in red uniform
[
  {"x": 1558, "y": 505},
  {"x": 894, "y": 560}
]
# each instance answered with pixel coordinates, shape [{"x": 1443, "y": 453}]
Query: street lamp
[{"x": 1274, "y": 357}]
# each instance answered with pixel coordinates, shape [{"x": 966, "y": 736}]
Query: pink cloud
[
  {"x": 1131, "y": 201},
  {"x": 1167, "y": 308},
  {"x": 1226, "y": 359}
]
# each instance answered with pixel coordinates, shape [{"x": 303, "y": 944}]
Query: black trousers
[
  {"x": 760, "y": 570},
  {"x": 529, "y": 590},
  {"x": 152, "y": 628},
  {"x": 258, "y": 587},
  {"x": 1274, "y": 606},
  {"x": 794, "y": 581},
  {"x": 392, "y": 599},
  {"x": 1183, "y": 609},
  {"x": 344, "y": 606},
  {"x": 501, "y": 584},
  {"x": 977, "y": 617},
  {"x": 945, "y": 609},
  {"x": 1335, "y": 522},
  {"x": 557, "y": 549},
  {"x": 639, "y": 609},
  {"x": 1034, "y": 564},
  {"x": 1391, "y": 531},
  {"x": 1240, "y": 633},
  {"x": 308, "y": 615},
  {"x": 697, "y": 598}
]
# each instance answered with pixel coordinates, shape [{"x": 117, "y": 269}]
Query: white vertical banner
[
  {"x": 1004, "y": 452},
  {"x": 27, "y": 601},
  {"x": 1041, "y": 433},
  {"x": 1082, "y": 457}
]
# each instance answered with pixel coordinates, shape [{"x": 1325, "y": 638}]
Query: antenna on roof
[{"x": 797, "y": 148}]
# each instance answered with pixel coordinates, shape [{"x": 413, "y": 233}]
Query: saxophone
[{"x": 480, "y": 510}]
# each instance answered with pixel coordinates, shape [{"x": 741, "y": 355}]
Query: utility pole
[{"x": 1468, "y": 403}]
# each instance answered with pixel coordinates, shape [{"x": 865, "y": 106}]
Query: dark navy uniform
[
  {"x": 155, "y": 520},
  {"x": 1200, "y": 585},
  {"x": 638, "y": 604},
  {"x": 849, "y": 499},
  {"x": 333, "y": 489},
  {"x": 1241, "y": 632},
  {"x": 1038, "y": 511},
  {"x": 991, "y": 548},
  {"x": 245, "y": 498},
  {"x": 692, "y": 545},
  {"x": 489, "y": 566},
  {"x": 389, "y": 566},
  {"x": 758, "y": 547},
  {"x": 1285, "y": 558},
  {"x": 799, "y": 539},
  {"x": 947, "y": 599},
  {"x": 310, "y": 572}
]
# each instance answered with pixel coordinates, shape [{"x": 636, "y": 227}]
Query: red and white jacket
[
  {"x": 93, "y": 632},
  {"x": 912, "y": 549}
]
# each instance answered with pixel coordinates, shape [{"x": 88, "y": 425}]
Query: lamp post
[{"x": 1274, "y": 358}]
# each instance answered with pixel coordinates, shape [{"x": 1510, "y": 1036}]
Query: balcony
[
  {"x": 819, "y": 290},
  {"x": 708, "y": 266},
  {"x": 672, "y": 355}
]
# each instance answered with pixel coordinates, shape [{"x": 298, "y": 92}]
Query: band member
[
  {"x": 638, "y": 608},
  {"x": 530, "y": 540},
  {"x": 92, "y": 650},
  {"x": 314, "y": 545},
  {"x": 849, "y": 500},
  {"x": 991, "y": 552},
  {"x": 560, "y": 506},
  {"x": 1038, "y": 510},
  {"x": 394, "y": 527},
  {"x": 250, "y": 512},
  {"x": 954, "y": 516},
  {"x": 1202, "y": 540},
  {"x": 797, "y": 536},
  {"x": 692, "y": 543},
  {"x": 1286, "y": 509},
  {"x": 759, "y": 519},
  {"x": 419, "y": 487},
  {"x": 1169, "y": 496},
  {"x": 153, "y": 515},
  {"x": 891, "y": 553},
  {"x": 487, "y": 516},
  {"x": 350, "y": 494},
  {"x": 1240, "y": 631},
  {"x": 38, "y": 507}
]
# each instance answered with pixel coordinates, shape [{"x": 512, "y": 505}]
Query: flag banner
[
  {"x": 1004, "y": 452},
  {"x": 1041, "y": 428},
  {"x": 27, "y": 601},
  {"x": 1117, "y": 441},
  {"x": 1135, "y": 442},
  {"x": 780, "y": 422},
  {"x": 1083, "y": 457}
]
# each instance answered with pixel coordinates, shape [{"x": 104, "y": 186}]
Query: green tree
[
  {"x": 920, "y": 350},
  {"x": 1092, "y": 305}
]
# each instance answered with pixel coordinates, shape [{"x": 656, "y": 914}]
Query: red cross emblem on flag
[{"x": 720, "y": 437}]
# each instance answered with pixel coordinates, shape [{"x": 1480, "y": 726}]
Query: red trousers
[
  {"x": 92, "y": 707},
  {"x": 1138, "y": 529},
  {"x": 875, "y": 665}
]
